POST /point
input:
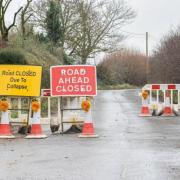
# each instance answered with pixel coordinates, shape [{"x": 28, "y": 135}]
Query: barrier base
[
  {"x": 168, "y": 112},
  {"x": 168, "y": 115},
  {"x": 88, "y": 136},
  {"x": 145, "y": 115},
  {"x": 145, "y": 112},
  {"x": 7, "y": 137},
  {"x": 31, "y": 136}
]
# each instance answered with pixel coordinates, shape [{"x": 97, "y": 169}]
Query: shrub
[
  {"x": 12, "y": 56},
  {"x": 164, "y": 65},
  {"x": 124, "y": 67}
]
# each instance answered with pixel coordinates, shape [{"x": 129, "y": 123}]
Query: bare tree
[
  {"x": 39, "y": 10},
  {"x": 98, "y": 27},
  {"x": 88, "y": 26},
  {"x": 4, "y": 4}
]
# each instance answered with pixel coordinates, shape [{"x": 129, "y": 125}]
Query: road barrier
[
  {"x": 163, "y": 99},
  {"x": 62, "y": 112},
  {"x": 77, "y": 81}
]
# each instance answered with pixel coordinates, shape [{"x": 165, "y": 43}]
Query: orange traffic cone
[
  {"x": 5, "y": 131},
  {"x": 167, "y": 111},
  {"x": 88, "y": 127},
  {"x": 36, "y": 129}
]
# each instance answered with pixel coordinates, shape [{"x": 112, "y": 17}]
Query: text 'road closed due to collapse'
[
  {"x": 20, "y": 80},
  {"x": 73, "y": 81}
]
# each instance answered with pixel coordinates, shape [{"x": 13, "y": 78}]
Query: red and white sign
[
  {"x": 45, "y": 92},
  {"x": 78, "y": 80}
]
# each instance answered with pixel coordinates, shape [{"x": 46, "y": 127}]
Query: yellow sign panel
[{"x": 20, "y": 80}]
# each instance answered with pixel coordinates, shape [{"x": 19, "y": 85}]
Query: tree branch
[{"x": 14, "y": 20}]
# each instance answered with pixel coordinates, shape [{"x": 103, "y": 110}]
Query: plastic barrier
[
  {"x": 51, "y": 113},
  {"x": 163, "y": 99}
]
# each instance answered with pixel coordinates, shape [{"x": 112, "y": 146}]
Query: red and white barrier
[{"x": 167, "y": 106}]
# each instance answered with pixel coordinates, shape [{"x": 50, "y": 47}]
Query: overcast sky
[{"x": 155, "y": 16}]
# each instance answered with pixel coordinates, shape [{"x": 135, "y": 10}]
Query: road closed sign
[
  {"x": 75, "y": 80},
  {"x": 20, "y": 80}
]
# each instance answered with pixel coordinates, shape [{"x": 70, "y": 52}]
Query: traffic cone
[
  {"x": 145, "y": 111},
  {"x": 167, "y": 111},
  {"x": 5, "y": 131},
  {"x": 36, "y": 130},
  {"x": 88, "y": 127}
]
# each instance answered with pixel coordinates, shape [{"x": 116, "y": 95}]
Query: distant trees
[
  {"x": 126, "y": 66},
  {"x": 164, "y": 65}
]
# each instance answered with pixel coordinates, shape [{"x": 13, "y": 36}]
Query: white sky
[{"x": 155, "y": 16}]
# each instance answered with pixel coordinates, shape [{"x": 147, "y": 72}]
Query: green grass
[{"x": 115, "y": 87}]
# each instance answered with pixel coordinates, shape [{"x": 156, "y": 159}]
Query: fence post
[
  {"x": 59, "y": 108},
  {"x": 171, "y": 98},
  {"x": 178, "y": 99},
  {"x": 19, "y": 107},
  {"x": 49, "y": 108}
]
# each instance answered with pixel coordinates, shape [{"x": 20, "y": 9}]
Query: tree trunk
[{"x": 5, "y": 36}]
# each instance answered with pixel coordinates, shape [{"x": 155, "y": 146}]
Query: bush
[
  {"x": 164, "y": 65},
  {"x": 124, "y": 67},
  {"x": 12, "y": 56}
]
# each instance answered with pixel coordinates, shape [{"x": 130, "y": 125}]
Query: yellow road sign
[{"x": 20, "y": 80}]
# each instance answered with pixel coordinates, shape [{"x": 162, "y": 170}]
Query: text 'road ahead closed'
[{"x": 73, "y": 81}]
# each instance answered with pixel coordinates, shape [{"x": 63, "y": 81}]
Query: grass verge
[{"x": 116, "y": 87}]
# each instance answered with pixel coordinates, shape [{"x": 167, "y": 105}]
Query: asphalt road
[{"x": 129, "y": 147}]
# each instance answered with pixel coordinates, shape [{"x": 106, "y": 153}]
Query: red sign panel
[
  {"x": 171, "y": 86},
  {"x": 73, "y": 80},
  {"x": 155, "y": 87},
  {"x": 45, "y": 92}
]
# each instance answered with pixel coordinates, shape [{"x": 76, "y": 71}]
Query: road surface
[{"x": 129, "y": 147}]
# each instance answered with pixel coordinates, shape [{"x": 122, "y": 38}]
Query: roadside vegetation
[
  {"x": 51, "y": 32},
  {"x": 133, "y": 68},
  {"x": 164, "y": 64},
  {"x": 125, "y": 68}
]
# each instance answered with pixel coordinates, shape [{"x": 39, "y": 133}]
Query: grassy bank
[{"x": 115, "y": 87}]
